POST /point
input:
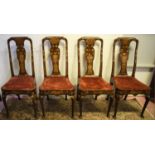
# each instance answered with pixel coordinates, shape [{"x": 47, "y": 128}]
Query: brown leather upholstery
[
  {"x": 20, "y": 83},
  {"x": 129, "y": 83},
  {"x": 56, "y": 83},
  {"x": 93, "y": 84}
]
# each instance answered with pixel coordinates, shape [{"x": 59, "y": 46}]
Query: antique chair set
[{"x": 88, "y": 84}]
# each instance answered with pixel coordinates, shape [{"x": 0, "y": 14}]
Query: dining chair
[
  {"x": 127, "y": 84},
  {"x": 89, "y": 83},
  {"x": 56, "y": 84},
  {"x": 21, "y": 83}
]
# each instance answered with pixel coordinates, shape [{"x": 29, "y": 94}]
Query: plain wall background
[{"x": 146, "y": 56}]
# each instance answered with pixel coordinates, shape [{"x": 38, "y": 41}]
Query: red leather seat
[
  {"x": 56, "y": 83},
  {"x": 93, "y": 84},
  {"x": 129, "y": 83},
  {"x": 20, "y": 83}
]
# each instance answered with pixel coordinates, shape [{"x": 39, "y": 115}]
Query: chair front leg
[
  {"x": 96, "y": 97},
  {"x": 77, "y": 95},
  {"x": 145, "y": 105},
  {"x": 5, "y": 105},
  {"x": 18, "y": 97},
  {"x": 66, "y": 97},
  {"x": 41, "y": 99},
  {"x": 116, "y": 105},
  {"x": 48, "y": 98},
  {"x": 111, "y": 100},
  {"x": 33, "y": 97},
  {"x": 80, "y": 106},
  {"x": 72, "y": 104},
  {"x": 107, "y": 98},
  {"x": 125, "y": 96}
]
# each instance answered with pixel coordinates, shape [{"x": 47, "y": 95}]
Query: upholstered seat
[
  {"x": 129, "y": 83},
  {"x": 56, "y": 83},
  {"x": 93, "y": 83},
  {"x": 20, "y": 83}
]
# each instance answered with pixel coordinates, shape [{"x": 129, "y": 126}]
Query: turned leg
[
  {"x": 72, "y": 99},
  {"x": 125, "y": 96},
  {"x": 41, "y": 98},
  {"x": 34, "y": 105},
  {"x": 145, "y": 105},
  {"x": 116, "y": 105},
  {"x": 65, "y": 97},
  {"x": 110, "y": 104},
  {"x": 5, "y": 105},
  {"x": 80, "y": 106}
]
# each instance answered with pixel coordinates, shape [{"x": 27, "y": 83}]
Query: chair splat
[
  {"x": 55, "y": 54},
  {"x": 89, "y": 55}
]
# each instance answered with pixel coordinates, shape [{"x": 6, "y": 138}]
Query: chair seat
[
  {"x": 56, "y": 83},
  {"x": 94, "y": 84},
  {"x": 20, "y": 83},
  {"x": 128, "y": 83}
]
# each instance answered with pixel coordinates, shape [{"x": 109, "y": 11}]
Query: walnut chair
[
  {"x": 123, "y": 83},
  {"x": 21, "y": 84},
  {"x": 90, "y": 84},
  {"x": 55, "y": 84}
]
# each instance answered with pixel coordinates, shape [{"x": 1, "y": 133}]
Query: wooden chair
[
  {"x": 89, "y": 84},
  {"x": 55, "y": 84},
  {"x": 21, "y": 83},
  {"x": 125, "y": 84}
]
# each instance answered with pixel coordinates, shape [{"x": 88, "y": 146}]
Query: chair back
[
  {"x": 21, "y": 54},
  {"x": 54, "y": 54},
  {"x": 124, "y": 44},
  {"x": 89, "y": 54}
]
